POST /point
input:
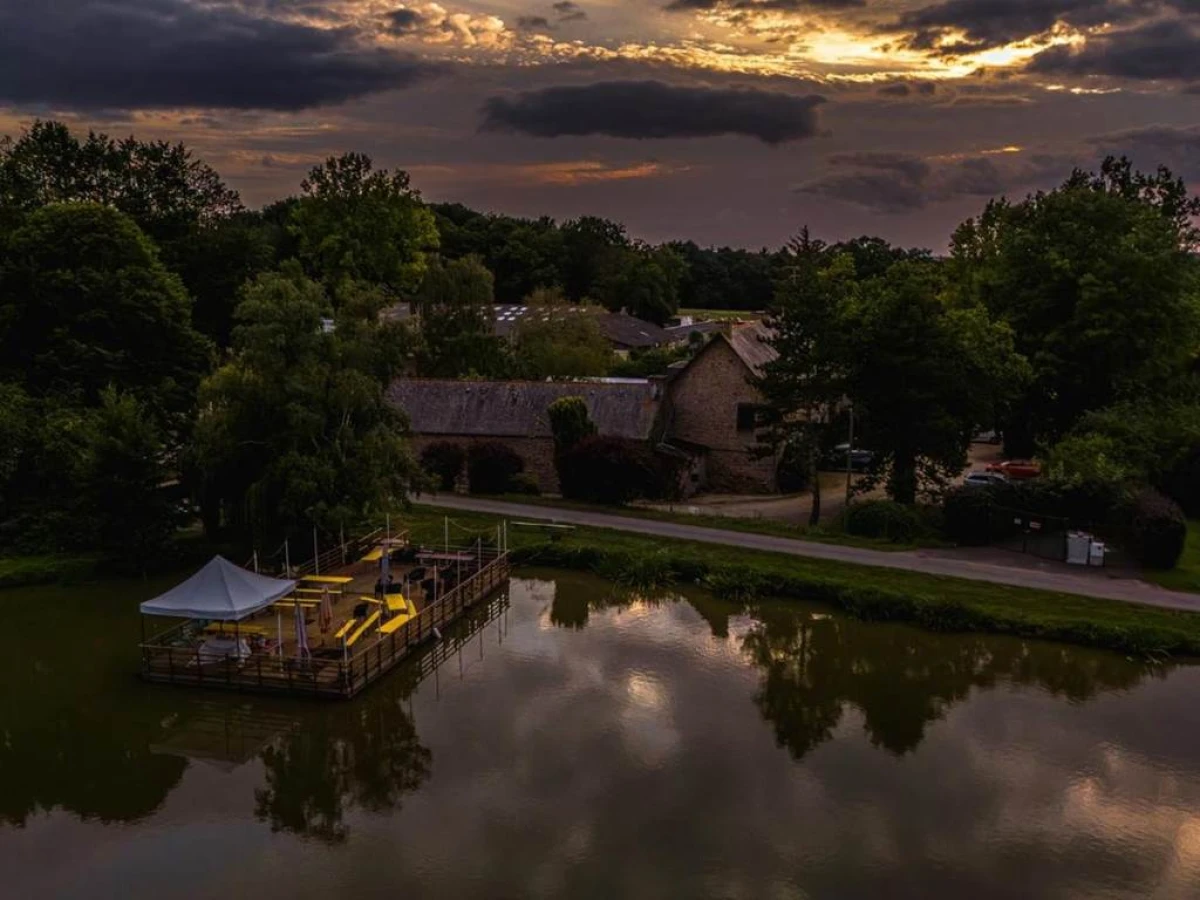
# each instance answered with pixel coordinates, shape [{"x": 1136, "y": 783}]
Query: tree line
[
  {"x": 162, "y": 347},
  {"x": 1069, "y": 321}
]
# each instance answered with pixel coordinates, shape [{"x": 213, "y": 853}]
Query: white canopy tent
[{"x": 221, "y": 591}]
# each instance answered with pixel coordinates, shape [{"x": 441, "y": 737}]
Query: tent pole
[
  {"x": 316, "y": 555},
  {"x": 388, "y": 531},
  {"x": 279, "y": 629},
  {"x": 287, "y": 559},
  {"x": 255, "y": 562}
]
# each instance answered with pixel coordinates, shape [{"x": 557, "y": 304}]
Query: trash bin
[
  {"x": 1078, "y": 544},
  {"x": 1096, "y": 553}
]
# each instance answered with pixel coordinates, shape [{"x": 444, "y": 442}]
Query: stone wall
[
  {"x": 704, "y": 400},
  {"x": 538, "y": 454}
]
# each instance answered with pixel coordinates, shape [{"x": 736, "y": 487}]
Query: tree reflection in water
[
  {"x": 363, "y": 754},
  {"x": 815, "y": 665}
]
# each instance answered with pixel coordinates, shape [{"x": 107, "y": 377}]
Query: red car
[{"x": 1016, "y": 469}]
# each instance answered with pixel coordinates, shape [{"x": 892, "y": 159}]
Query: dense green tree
[
  {"x": 215, "y": 260},
  {"x": 570, "y": 423},
  {"x": 455, "y": 306},
  {"x": 593, "y": 250},
  {"x": 1096, "y": 280},
  {"x": 356, "y": 222},
  {"x": 923, "y": 376},
  {"x": 295, "y": 429},
  {"x": 644, "y": 281},
  {"x": 159, "y": 185},
  {"x": 726, "y": 278},
  {"x": 85, "y": 303},
  {"x": 807, "y": 382},
  {"x": 556, "y": 340},
  {"x": 873, "y": 256}
]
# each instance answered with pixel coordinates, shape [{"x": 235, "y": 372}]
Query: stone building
[
  {"x": 712, "y": 411},
  {"x": 467, "y": 412},
  {"x": 703, "y": 414}
]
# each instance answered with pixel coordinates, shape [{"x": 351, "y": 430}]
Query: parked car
[
  {"x": 859, "y": 459},
  {"x": 1017, "y": 469},
  {"x": 986, "y": 437},
  {"x": 984, "y": 479}
]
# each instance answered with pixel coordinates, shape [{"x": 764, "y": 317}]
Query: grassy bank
[
  {"x": 20, "y": 571},
  {"x": 944, "y": 604}
]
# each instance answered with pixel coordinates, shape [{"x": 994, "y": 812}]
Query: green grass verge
[
  {"x": 773, "y": 527},
  {"x": 20, "y": 571},
  {"x": 934, "y": 602},
  {"x": 1186, "y": 575}
]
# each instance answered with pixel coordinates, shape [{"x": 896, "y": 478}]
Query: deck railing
[
  {"x": 378, "y": 657},
  {"x": 172, "y": 655}
]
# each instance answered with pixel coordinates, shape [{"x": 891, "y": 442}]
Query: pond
[{"x": 587, "y": 743}]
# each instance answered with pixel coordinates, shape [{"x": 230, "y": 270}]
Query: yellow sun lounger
[
  {"x": 374, "y": 556},
  {"x": 327, "y": 579},
  {"x": 397, "y": 604},
  {"x": 362, "y": 629},
  {"x": 345, "y": 629},
  {"x": 394, "y": 623}
]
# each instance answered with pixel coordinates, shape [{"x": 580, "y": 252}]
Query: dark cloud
[
  {"x": 568, "y": 11},
  {"x": 1176, "y": 148},
  {"x": 897, "y": 183},
  {"x": 90, "y": 54},
  {"x": 904, "y": 89},
  {"x": 1160, "y": 50},
  {"x": 762, "y": 5},
  {"x": 651, "y": 109},
  {"x": 532, "y": 23},
  {"x": 403, "y": 21},
  {"x": 994, "y": 23}
]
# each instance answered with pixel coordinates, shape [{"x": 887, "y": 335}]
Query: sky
[{"x": 728, "y": 122}]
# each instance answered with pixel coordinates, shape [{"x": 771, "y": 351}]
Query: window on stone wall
[{"x": 747, "y": 416}]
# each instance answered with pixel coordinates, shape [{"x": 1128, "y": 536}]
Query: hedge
[
  {"x": 444, "y": 461},
  {"x": 1157, "y": 530},
  {"x": 884, "y": 519},
  {"x": 491, "y": 467}
]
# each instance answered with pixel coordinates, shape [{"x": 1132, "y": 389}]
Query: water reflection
[
  {"x": 364, "y": 755},
  {"x": 814, "y": 666}
]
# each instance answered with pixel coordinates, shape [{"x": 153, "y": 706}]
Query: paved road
[{"x": 1088, "y": 582}]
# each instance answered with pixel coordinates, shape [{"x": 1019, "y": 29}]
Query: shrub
[
  {"x": 491, "y": 467},
  {"x": 886, "y": 519},
  {"x": 569, "y": 423},
  {"x": 608, "y": 470},
  {"x": 1182, "y": 483},
  {"x": 969, "y": 516},
  {"x": 444, "y": 461},
  {"x": 1157, "y": 530},
  {"x": 525, "y": 483}
]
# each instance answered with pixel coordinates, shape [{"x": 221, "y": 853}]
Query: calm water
[{"x": 586, "y": 744}]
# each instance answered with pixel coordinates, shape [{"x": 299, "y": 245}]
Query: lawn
[
  {"x": 936, "y": 602},
  {"x": 1186, "y": 575},
  {"x": 17, "y": 571}
]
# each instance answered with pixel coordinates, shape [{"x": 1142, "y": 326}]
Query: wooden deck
[{"x": 332, "y": 670}]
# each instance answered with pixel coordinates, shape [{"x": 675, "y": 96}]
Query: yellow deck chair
[
  {"x": 362, "y": 629},
  {"x": 396, "y": 604},
  {"x": 344, "y": 630},
  {"x": 394, "y": 623},
  {"x": 374, "y": 556}
]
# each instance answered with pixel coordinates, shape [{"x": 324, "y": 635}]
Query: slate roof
[
  {"x": 749, "y": 343},
  {"x": 626, "y": 409},
  {"x": 620, "y": 328}
]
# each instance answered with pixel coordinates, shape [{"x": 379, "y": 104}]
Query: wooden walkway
[{"x": 329, "y": 672}]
